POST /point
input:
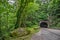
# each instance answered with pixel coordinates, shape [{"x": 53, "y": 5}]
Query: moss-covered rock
[{"x": 19, "y": 32}]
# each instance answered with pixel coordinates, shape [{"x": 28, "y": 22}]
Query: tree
[{"x": 24, "y": 10}]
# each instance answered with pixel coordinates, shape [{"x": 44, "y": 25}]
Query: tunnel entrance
[{"x": 43, "y": 25}]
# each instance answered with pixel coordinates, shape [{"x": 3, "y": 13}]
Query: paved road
[{"x": 47, "y": 34}]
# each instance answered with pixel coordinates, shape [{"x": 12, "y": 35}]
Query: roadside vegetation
[{"x": 19, "y": 19}]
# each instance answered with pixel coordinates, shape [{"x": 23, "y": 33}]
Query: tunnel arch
[{"x": 44, "y": 25}]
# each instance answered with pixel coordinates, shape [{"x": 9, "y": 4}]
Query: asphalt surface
[{"x": 46, "y": 34}]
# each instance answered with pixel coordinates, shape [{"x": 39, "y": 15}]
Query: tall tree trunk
[{"x": 23, "y": 4}]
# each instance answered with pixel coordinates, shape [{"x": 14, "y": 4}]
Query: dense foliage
[{"x": 26, "y": 13}]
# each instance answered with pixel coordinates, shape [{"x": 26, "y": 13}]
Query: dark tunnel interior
[{"x": 43, "y": 25}]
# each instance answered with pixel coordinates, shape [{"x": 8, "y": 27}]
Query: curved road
[{"x": 47, "y": 34}]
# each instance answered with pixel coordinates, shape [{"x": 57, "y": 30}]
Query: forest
[{"x": 19, "y": 18}]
